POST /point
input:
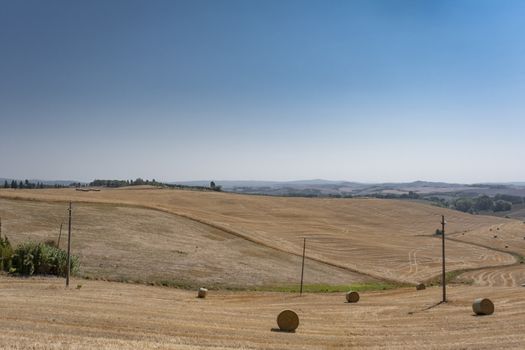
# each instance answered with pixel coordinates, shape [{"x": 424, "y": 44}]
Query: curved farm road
[{"x": 505, "y": 237}]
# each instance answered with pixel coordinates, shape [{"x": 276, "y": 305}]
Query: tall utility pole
[
  {"x": 443, "y": 277},
  {"x": 0, "y": 227},
  {"x": 68, "y": 270},
  {"x": 302, "y": 268}
]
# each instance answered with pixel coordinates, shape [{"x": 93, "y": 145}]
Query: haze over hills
[{"x": 322, "y": 187}]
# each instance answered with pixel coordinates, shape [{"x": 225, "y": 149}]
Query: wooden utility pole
[
  {"x": 68, "y": 270},
  {"x": 443, "y": 276},
  {"x": 0, "y": 227},
  {"x": 302, "y": 268},
  {"x": 59, "y": 235}
]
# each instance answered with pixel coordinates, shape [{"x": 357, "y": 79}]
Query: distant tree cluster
[
  {"x": 409, "y": 195},
  {"x": 215, "y": 187},
  {"x": 26, "y": 184},
  {"x": 122, "y": 183},
  {"x": 153, "y": 182},
  {"x": 473, "y": 205},
  {"x": 485, "y": 203}
]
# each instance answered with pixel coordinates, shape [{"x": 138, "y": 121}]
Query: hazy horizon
[
  {"x": 367, "y": 91},
  {"x": 218, "y": 181}
]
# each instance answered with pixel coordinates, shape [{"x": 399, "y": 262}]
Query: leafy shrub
[
  {"x": 6, "y": 252},
  {"x": 32, "y": 258},
  {"x": 483, "y": 203},
  {"x": 501, "y": 205},
  {"x": 464, "y": 204}
]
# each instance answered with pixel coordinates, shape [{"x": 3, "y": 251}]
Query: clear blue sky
[{"x": 272, "y": 90}]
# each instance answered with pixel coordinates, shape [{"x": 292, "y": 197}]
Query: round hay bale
[
  {"x": 288, "y": 321},
  {"x": 483, "y": 306},
  {"x": 420, "y": 286},
  {"x": 352, "y": 297},
  {"x": 202, "y": 293}
]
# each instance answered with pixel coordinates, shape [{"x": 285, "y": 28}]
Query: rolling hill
[{"x": 381, "y": 239}]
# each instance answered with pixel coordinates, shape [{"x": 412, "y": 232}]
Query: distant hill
[
  {"x": 229, "y": 184},
  {"x": 320, "y": 188},
  {"x": 340, "y": 188}
]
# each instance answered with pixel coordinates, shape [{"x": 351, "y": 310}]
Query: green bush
[
  {"x": 501, "y": 205},
  {"x": 6, "y": 252},
  {"x": 464, "y": 204},
  {"x": 31, "y": 258}
]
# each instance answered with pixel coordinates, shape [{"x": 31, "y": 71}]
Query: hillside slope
[
  {"x": 382, "y": 238},
  {"x": 133, "y": 244}
]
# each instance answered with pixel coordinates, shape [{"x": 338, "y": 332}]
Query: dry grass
[
  {"x": 510, "y": 237},
  {"x": 511, "y": 276},
  {"x": 133, "y": 244},
  {"x": 41, "y": 314},
  {"x": 386, "y": 239}
]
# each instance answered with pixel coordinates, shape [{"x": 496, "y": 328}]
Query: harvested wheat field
[
  {"x": 188, "y": 238},
  {"x": 383, "y": 239},
  {"x": 508, "y": 236},
  {"x": 42, "y": 314},
  {"x": 122, "y": 243},
  {"x": 510, "y": 276}
]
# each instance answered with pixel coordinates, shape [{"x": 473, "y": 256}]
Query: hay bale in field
[
  {"x": 483, "y": 306},
  {"x": 421, "y": 286},
  {"x": 202, "y": 293},
  {"x": 288, "y": 321},
  {"x": 352, "y": 297}
]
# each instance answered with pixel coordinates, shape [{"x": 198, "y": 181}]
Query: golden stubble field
[
  {"x": 384, "y": 239},
  {"x": 508, "y": 236},
  {"x": 122, "y": 243},
  {"x": 39, "y": 313},
  {"x": 232, "y": 240}
]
